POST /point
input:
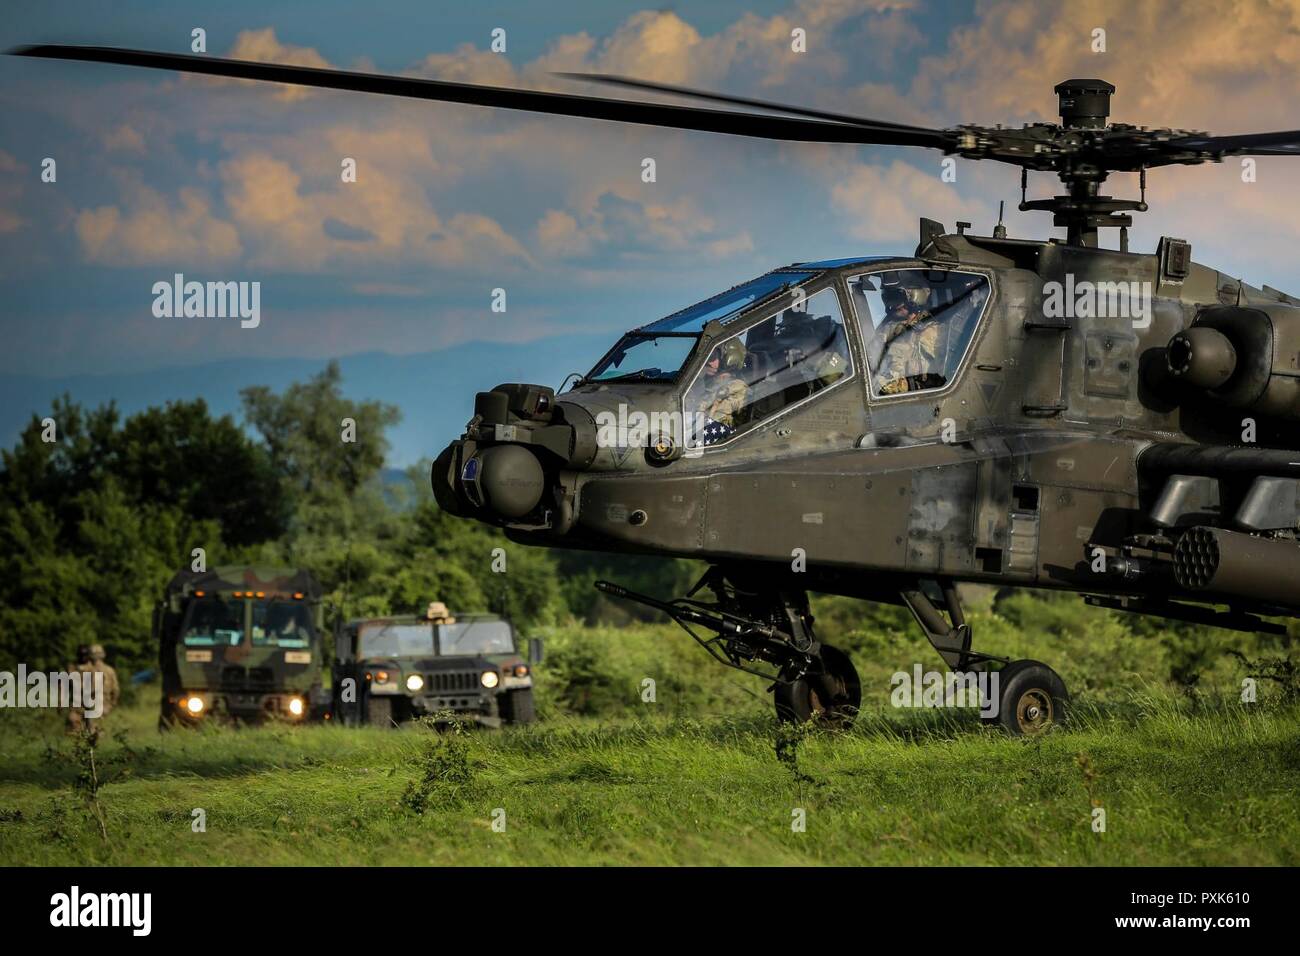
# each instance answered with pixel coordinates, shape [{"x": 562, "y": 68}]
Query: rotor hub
[{"x": 1084, "y": 104}]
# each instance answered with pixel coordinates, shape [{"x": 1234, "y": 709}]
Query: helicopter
[{"x": 1012, "y": 412}]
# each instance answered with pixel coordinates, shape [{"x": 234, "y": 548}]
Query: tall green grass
[{"x": 1185, "y": 772}]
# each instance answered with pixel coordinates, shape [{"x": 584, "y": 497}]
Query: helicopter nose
[{"x": 511, "y": 454}]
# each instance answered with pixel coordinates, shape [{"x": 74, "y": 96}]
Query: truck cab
[
  {"x": 393, "y": 669},
  {"x": 240, "y": 643}
]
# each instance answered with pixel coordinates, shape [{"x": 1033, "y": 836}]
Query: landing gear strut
[
  {"x": 769, "y": 625},
  {"x": 1031, "y": 697}
]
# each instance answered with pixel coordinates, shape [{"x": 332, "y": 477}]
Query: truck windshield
[
  {"x": 213, "y": 622},
  {"x": 281, "y": 624},
  {"x": 396, "y": 640},
  {"x": 475, "y": 637}
]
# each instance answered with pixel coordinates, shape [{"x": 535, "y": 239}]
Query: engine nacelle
[{"x": 1245, "y": 357}]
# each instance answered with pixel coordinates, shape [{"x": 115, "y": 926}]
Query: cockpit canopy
[{"x": 658, "y": 351}]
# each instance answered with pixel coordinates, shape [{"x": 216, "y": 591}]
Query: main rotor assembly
[{"x": 1083, "y": 149}]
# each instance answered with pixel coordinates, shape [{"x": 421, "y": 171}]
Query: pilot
[
  {"x": 725, "y": 395},
  {"x": 910, "y": 336}
]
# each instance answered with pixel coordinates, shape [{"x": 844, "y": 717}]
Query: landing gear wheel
[
  {"x": 832, "y": 697},
  {"x": 1032, "y": 699}
]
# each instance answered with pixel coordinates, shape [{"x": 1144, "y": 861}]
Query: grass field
[
  {"x": 1183, "y": 777},
  {"x": 1216, "y": 786}
]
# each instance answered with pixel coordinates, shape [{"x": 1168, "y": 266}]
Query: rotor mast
[{"x": 1084, "y": 107}]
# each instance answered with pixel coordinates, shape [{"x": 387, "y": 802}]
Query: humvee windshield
[
  {"x": 396, "y": 640},
  {"x": 417, "y": 640},
  {"x": 475, "y": 637}
]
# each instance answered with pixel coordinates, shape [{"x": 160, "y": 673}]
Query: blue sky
[{"x": 159, "y": 174}]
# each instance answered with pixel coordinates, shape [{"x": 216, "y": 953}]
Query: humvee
[
  {"x": 392, "y": 669},
  {"x": 240, "y": 643}
]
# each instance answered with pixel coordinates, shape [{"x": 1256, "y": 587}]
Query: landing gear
[
  {"x": 831, "y": 696},
  {"x": 1031, "y": 697},
  {"x": 762, "y": 621}
]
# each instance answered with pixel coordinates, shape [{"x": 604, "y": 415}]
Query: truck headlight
[
  {"x": 194, "y": 706},
  {"x": 414, "y": 682},
  {"x": 295, "y": 706},
  {"x": 490, "y": 679}
]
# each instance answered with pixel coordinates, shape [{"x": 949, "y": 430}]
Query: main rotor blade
[
  {"x": 785, "y": 128},
  {"x": 1283, "y": 143},
  {"x": 612, "y": 80}
]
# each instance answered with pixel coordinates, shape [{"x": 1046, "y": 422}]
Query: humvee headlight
[
  {"x": 295, "y": 706},
  {"x": 490, "y": 679},
  {"x": 414, "y": 682},
  {"x": 194, "y": 706}
]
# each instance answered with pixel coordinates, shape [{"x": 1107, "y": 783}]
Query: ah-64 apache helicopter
[{"x": 1045, "y": 414}]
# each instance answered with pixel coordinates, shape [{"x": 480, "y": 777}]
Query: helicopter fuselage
[{"x": 1042, "y": 460}]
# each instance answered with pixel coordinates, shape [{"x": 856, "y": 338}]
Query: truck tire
[
  {"x": 518, "y": 706},
  {"x": 379, "y": 711}
]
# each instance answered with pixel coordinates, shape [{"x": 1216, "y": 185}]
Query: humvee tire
[
  {"x": 517, "y": 706},
  {"x": 379, "y": 711}
]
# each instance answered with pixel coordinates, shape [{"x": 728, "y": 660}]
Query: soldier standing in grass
[{"x": 91, "y": 660}]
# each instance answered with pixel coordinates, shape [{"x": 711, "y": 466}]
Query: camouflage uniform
[
  {"x": 724, "y": 398},
  {"x": 828, "y": 368},
  {"x": 725, "y": 395},
  {"x": 90, "y": 660},
  {"x": 911, "y": 352}
]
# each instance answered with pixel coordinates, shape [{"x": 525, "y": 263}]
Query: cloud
[
  {"x": 148, "y": 229},
  {"x": 264, "y": 46},
  {"x": 124, "y": 138},
  {"x": 881, "y": 203},
  {"x": 384, "y": 217}
]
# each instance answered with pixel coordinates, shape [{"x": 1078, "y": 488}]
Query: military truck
[
  {"x": 240, "y": 643},
  {"x": 392, "y": 669}
]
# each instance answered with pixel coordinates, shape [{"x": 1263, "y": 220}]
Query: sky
[{"x": 159, "y": 174}]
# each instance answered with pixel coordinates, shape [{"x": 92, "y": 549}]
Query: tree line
[{"x": 94, "y": 522}]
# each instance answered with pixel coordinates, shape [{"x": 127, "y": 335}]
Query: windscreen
[
  {"x": 475, "y": 637},
  {"x": 281, "y": 624},
  {"x": 213, "y": 622},
  {"x": 397, "y": 640},
  {"x": 645, "y": 358}
]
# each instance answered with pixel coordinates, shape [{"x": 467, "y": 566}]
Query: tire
[
  {"x": 517, "y": 706},
  {"x": 832, "y": 698},
  {"x": 1032, "y": 699},
  {"x": 379, "y": 711}
]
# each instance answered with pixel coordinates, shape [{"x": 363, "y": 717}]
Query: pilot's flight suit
[
  {"x": 724, "y": 398},
  {"x": 911, "y": 352}
]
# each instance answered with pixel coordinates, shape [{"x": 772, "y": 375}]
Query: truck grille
[
  {"x": 254, "y": 679},
  {"x": 440, "y": 682}
]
